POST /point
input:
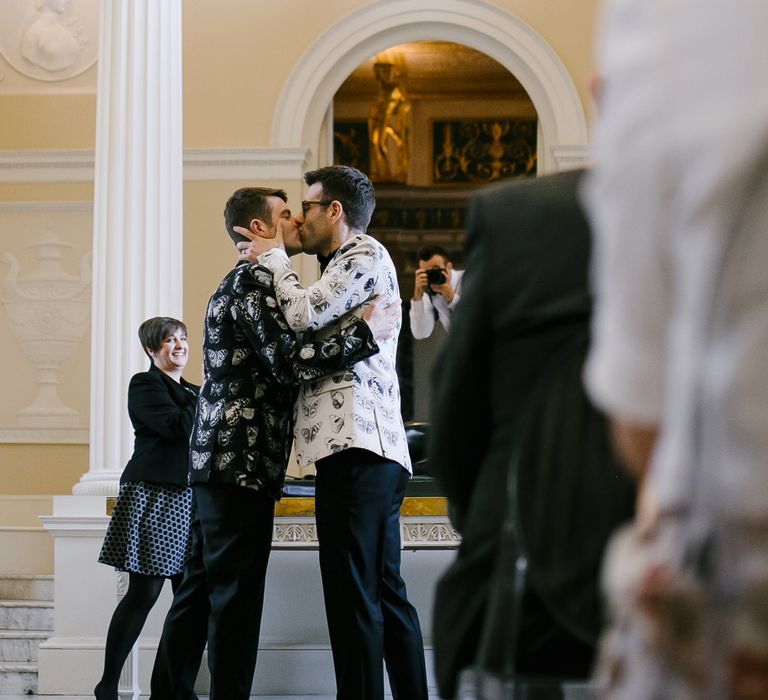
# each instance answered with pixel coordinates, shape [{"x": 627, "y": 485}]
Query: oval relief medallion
[{"x": 50, "y": 39}]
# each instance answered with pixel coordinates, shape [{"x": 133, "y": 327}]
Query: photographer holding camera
[{"x": 436, "y": 291}]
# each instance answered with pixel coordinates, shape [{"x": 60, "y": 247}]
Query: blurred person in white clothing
[{"x": 678, "y": 200}]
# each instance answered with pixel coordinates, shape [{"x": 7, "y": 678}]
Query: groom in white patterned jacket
[{"x": 350, "y": 426}]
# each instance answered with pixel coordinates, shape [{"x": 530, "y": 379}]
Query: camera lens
[{"x": 435, "y": 276}]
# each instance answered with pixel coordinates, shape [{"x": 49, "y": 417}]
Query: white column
[{"x": 137, "y": 229}]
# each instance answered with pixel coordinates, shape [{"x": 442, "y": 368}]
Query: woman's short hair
[{"x": 155, "y": 330}]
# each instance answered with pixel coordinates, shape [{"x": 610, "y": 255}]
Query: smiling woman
[
  {"x": 148, "y": 534},
  {"x": 170, "y": 355}
]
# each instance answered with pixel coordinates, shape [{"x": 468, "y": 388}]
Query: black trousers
[
  {"x": 222, "y": 593},
  {"x": 185, "y": 629},
  {"x": 357, "y": 508}
]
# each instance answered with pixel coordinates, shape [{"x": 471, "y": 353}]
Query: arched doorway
[
  {"x": 303, "y": 117},
  {"x": 300, "y": 118}
]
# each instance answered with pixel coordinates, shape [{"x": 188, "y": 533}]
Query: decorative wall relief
[
  {"x": 50, "y": 40},
  {"x": 389, "y": 125},
  {"x": 416, "y": 532},
  {"x": 480, "y": 151},
  {"x": 48, "y": 311}
]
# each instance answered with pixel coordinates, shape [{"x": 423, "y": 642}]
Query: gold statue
[{"x": 388, "y": 127}]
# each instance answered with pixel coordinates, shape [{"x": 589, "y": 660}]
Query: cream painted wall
[
  {"x": 237, "y": 56},
  {"x": 46, "y": 192},
  {"x": 229, "y": 101},
  {"x": 568, "y": 27},
  {"x": 41, "y": 469},
  {"x": 47, "y": 121}
]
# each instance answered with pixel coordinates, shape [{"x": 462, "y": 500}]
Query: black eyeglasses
[{"x": 305, "y": 205}]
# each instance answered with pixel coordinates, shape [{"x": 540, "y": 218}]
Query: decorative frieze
[
  {"x": 428, "y": 533},
  {"x": 294, "y": 532}
]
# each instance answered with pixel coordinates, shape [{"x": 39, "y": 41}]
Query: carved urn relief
[{"x": 48, "y": 311}]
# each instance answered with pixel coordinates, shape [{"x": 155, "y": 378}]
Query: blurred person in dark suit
[{"x": 525, "y": 297}]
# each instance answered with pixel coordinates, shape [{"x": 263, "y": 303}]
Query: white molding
[
  {"x": 102, "y": 482},
  {"x": 54, "y": 436},
  {"x": 199, "y": 164},
  {"x": 47, "y": 166},
  {"x": 569, "y": 157},
  {"x": 47, "y": 89},
  {"x": 298, "y": 116},
  {"x": 45, "y": 206},
  {"x": 244, "y": 163},
  {"x": 75, "y": 526},
  {"x": 95, "y": 643}
]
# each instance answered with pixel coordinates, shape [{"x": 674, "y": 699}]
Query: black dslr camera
[{"x": 436, "y": 275}]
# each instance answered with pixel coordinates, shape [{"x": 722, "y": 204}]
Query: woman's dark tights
[{"x": 126, "y": 625}]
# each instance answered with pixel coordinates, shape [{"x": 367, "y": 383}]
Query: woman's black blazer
[{"x": 162, "y": 412}]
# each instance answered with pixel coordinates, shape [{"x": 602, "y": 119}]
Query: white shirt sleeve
[
  {"x": 624, "y": 191},
  {"x": 456, "y": 276},
  {"x": 423, "y": 311},
  {"x": 422, "y": 315}
]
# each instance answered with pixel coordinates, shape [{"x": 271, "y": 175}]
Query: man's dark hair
[
  {"x": 429, "y": 250},
  {"x": 246, "y": 204},
  {"x": 154, "y": 331},
  {"x": 350, "y": 187}
]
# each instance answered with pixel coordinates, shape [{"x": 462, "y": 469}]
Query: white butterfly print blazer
[{"x": 359, "y": 407}]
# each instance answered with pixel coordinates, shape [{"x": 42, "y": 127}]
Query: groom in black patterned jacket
[{"x": 239, "y": 452}]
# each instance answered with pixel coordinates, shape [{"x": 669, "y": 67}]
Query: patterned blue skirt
[{"x": 149, "y": 529}]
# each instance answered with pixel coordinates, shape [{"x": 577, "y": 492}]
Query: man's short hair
[
  {"x": 154, "y": 331},
  {"x": 429, "y": 251},
  {"x": 350, "y": 187},
  {"x": 246, "y": 204}
]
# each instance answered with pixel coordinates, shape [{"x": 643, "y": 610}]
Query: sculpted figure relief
[
  {"x": 388, "y": 127},
  {"x": 52, "y": 40}
]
